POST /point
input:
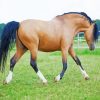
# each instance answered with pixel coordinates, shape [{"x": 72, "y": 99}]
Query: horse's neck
[
  {"x": 73, "y": 23},
  {"x": 74, "y": 19}
]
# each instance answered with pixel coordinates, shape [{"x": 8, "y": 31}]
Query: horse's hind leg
[
  {"x": 33, "y": 63},
  {"x": 13, "y": 61},
  {"x": 78, "y": 62}
]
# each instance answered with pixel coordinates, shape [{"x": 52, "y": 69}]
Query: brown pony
[{"x": 54, "y": 35}]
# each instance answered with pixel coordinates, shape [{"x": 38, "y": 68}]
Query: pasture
[{"x": 27, "y": 86}]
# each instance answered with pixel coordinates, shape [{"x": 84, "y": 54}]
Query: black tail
[{"x": 7, "y": 39}]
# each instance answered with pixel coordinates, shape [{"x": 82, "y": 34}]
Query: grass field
[{"x": 27, "y": 86}]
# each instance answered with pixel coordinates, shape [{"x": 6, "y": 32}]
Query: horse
[{"x": 56, "y": 34}]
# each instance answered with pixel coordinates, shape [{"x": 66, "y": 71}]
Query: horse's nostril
[{"x": 92, "y": 47}]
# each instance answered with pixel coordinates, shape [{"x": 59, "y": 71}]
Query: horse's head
[
  {"x": 82, "y": 23},
  {"x": 91, "y": 32},
  {"x": 89, "y": 36},
  {"x": 92, "y": 35}
]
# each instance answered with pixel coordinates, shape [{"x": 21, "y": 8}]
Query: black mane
[
  {"x": 81, "y": 13},
  {"x": 96, "y": 32}
]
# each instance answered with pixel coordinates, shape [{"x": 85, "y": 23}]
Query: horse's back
[{"x": 43, "y": 34}]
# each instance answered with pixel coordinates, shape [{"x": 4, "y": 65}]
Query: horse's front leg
[
  {"x": 64, "y": 62},
  {"x": 78, "y": 62}
]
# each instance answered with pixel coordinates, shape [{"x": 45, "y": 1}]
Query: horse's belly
[
  {"x": 49, "y": 47},
  {"x": 49, "y": 41}
]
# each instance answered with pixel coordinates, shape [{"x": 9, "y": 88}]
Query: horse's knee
[
  {"x": 34, "y": 65},
  {"x": 64, "y": 66},
  {"x": 64, "y": 69},
  {"x": 77, "y": 60},
  {"x": 12, "y": 63}
]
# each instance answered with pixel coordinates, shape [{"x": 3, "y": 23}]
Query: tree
[{"x": 1, "y": 28}]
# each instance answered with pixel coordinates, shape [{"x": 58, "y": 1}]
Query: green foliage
[
  {"x": 27, "y": 86},
  {"x": 1, "y": 28},
  {"x": 83, "y": 51}
]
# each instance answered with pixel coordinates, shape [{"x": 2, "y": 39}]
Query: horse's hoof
[
  {"x": 86, "y": 78},
  {"x": 5, "y": 82},
  {"x": 55, "y": 79},
  {"x": 45, "y": 83}
]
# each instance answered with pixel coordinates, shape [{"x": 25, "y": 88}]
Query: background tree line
[{"x": 1, "y": 28}]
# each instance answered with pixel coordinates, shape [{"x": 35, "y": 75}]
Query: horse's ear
[{"x": 93, "y": 24}]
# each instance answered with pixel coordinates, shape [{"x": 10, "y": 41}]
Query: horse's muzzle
[{"x": 92, "y": 46}]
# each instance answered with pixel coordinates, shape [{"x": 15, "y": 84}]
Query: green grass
[{"x": 27, "y": 86}]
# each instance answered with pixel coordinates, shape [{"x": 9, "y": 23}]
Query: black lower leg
[
  {"x": 63, "y": 70},
  {"x": 12, "y": 63},
  {"x": 34, "y": 65},
  {"x": 78, "y": 62}
]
